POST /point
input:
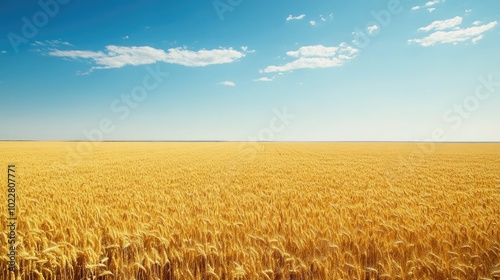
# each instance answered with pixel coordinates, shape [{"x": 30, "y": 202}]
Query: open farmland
[{"x": 289, "y": 211}]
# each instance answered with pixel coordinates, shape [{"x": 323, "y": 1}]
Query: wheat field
[{"x": 275, "y": 211}]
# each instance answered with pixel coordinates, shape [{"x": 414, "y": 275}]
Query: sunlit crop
[{"x": 291, "y": 211}]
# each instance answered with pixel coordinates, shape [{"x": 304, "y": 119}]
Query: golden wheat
[{"x": 292, "y": 211}]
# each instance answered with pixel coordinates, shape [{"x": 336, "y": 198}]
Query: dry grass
[{"x": 295, "y": 211}]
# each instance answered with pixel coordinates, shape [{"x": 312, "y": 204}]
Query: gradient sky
[{"x": 342, "y": 70}]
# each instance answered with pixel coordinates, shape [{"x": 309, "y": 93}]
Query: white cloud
[
  {"x": 264, "y": 79},
  {"x": 431, "y": 10},
  {"x": 246, "y": 50},
  {"x": 55, "y": 43},
  {"x": 202, "y": 57},
  {"x": 473, "y": 34},
  {"x": 51, "y": 43},
  {"x": 432, "y": 3},
  {"x": 118, "y": 56},
  {"x": 312, "y": 22},
  {"x": 372, "y": 28},
  {"x": 325, "y": 18},
  {"x": 58, "y": 43},
  {"x": 227, "y": 83},
  {"x": 314, "y": 51},
  {"x": 428, "y": 4},
  {"x": 290, "y": 17},
  {"x": 125, "y": 37},
  {"x": 475, "y": 40},
  {"x": 477, "y": 22},
  {"x": 468, "y": 11},
  {"x": 310, "y": 57},
  {"x": 442, "y": 24},
  {"x": 3, "y": 51}
]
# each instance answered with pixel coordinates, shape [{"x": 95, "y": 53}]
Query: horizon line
[{"x": 234, "y": 141}]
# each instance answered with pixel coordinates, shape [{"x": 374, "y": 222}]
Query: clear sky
[{"x": 243, "y": 70}]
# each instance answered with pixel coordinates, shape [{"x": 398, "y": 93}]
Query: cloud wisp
[
  {"x": 264, "y": 79},
  {"x": 318, "y": 56},
  {"x": 450, "y": 32},
  {"x": 120, "y": 56},
  {"x": 227, "y": 84},
  {"x": 371, "y": 29},
  {"x": 299, "y": 17},
  {"x": 442, "y": 24},
  {"x": 427, "y": 5}
]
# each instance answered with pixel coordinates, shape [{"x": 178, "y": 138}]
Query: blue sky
[{"x": 245, "y": 70}]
